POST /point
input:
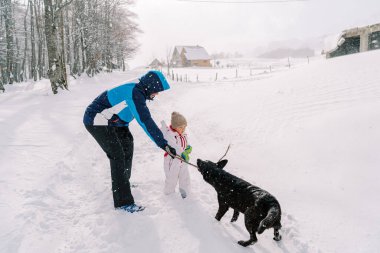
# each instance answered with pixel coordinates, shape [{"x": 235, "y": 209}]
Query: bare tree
[
  {"x": 1, "y": 80},
  {"x": 9, "y": 34},
  {"x": 56, "y": 68},
  {"x": 168, "y": 58},
  {"x": 33, "y": 42},
  {"x": 42, "y": 37}
]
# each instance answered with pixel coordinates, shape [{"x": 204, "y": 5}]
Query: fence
[{"x": 231, "y": 71}]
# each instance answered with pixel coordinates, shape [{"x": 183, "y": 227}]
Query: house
[
  {"x": 360, "y": 39},
  {"x": 155, "y": 64},
  {"x": 189, "y": 56}
]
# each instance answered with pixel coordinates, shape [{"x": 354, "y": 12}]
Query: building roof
[
  {"x": 194, "y": 52},
  {"x": 357, "y": 30},
  {"x": 155, "y": 62}
]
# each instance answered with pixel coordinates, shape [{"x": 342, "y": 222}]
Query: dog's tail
[{"x": 273, "y": 215}]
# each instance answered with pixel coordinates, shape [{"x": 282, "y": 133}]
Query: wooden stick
[
  {"x": 183, "y": 160},
  {"x": 180, "y": 158}
]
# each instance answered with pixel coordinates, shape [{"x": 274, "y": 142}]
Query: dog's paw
[
  {"x": 277, "y": 238},
  {"x": 243, "y": 243},
  {"x": 218, "y": 218},
  {"x": 246, "y": 243}
]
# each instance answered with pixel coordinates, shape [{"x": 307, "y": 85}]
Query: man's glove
[
  {"x": 186, "y": 153},
  {"x": 171, "y": 151}
]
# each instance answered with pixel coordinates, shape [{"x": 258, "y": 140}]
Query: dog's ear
[{"x": 222, "y": 164}]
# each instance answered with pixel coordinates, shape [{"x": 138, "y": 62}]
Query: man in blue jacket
[{"x": 120, "y": 106}]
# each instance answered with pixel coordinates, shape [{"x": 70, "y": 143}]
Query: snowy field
[
  {"x": 310, "y": 135},
  {"x": 232, "y": 69}
]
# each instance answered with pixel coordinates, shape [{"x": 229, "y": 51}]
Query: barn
[{"x": 190, "y": 56}]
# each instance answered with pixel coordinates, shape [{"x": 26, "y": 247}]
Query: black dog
[{"x": 261, "y": 210}]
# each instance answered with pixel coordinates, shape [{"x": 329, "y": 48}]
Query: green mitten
[
  {"x": 185, "y": 154},
  {"x": 188, "y": 149}
]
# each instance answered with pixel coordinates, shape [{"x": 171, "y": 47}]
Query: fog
[{"x": 247, "y": 28}]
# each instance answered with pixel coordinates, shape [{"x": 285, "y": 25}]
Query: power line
[{"x": 242, "y": 2}]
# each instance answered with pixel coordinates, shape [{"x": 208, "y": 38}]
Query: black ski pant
[{"x": 117, "y": 143}]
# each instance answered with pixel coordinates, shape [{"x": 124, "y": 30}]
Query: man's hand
[{"x": 171, "y": 151}]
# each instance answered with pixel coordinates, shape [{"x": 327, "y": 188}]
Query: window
[
  {"x": 374, "y": 41},
  {"x": 350, "y": 45}
]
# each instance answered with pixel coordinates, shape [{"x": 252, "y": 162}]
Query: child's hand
[
  {"x": 188, "y": 149},
  {"x": 185, "y": 154}
]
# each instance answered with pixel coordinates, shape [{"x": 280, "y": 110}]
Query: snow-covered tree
[{"x": 47, "y": 38}]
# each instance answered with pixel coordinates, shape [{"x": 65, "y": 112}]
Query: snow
[
  {"x": 309, "y": 135},
  {"x": 331, "y": 42},
  {"x": 237, "y": 69}
]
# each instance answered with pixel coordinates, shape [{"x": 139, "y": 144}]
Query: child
[{"x": 175, "y": 169}]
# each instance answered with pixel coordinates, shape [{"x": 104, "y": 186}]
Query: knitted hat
[{"x": 178, "y": 120}]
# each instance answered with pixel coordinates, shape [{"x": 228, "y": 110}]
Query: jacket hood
[{"x": 152, "y": 82}]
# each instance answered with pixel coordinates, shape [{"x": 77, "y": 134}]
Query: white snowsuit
[{"x": 175, "y": 170}]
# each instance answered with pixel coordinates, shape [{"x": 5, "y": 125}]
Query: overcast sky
[{"x": 240, "y": 27}]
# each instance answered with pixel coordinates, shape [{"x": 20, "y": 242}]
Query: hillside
[{"x": 309, "y": 135}]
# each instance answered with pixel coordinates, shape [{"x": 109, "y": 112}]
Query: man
[{"x": 120, "y": 106}]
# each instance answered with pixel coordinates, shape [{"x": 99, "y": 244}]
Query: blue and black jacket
[{"x": 133, "y": 96}]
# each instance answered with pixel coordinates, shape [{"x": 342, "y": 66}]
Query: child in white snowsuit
[{"x": 175, "y": 169}]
